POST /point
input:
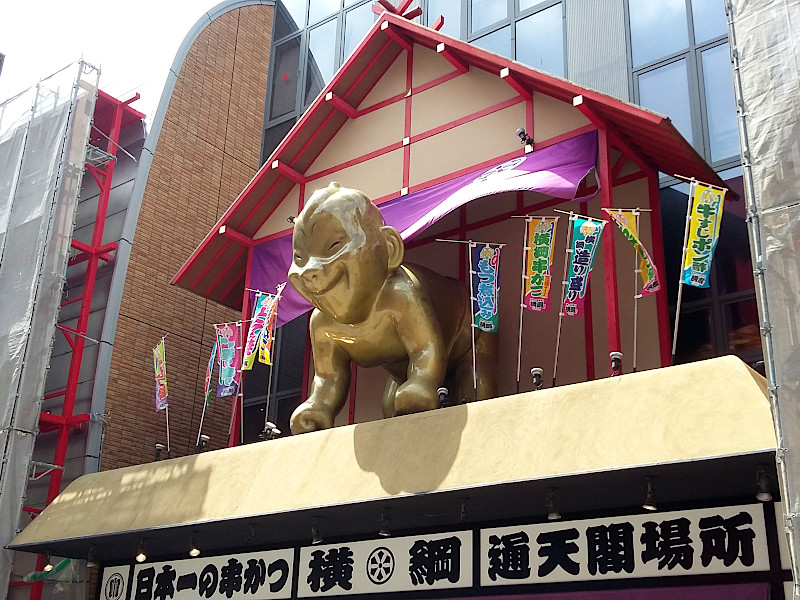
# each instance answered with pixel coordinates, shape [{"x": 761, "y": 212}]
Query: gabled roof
[{"x": 217, "y": 268}]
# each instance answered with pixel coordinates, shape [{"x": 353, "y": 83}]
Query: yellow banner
[{"x": 704, "y": 223}]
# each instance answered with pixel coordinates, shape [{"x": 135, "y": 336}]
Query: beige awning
[{"x": 693, "y": 413}]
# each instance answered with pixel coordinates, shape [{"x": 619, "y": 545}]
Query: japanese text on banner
[
  {"x": 704, "y": 223},
  {"x": 229, "y": 363},
  {"x": 539, "y": 241},
  {"x": 258, "y": 323},
  {"x": 626, "y": 221},
  {"x": 485, "y": 259},
  {"x": 585, "y": 239},
  {"x": 160, "y": 365},
  {"x": 268, "y": 335}
]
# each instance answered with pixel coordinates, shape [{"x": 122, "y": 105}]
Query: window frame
[{"x": 698, "y": 104}]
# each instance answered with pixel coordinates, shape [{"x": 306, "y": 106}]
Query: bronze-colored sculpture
[{"x": 371, "y": 309}]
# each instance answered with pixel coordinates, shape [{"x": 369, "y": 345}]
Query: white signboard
[
  {"x": 115, "y": 583},
  {"x": 695, "y": 542},
  {"x": 424, "y": 562},
  {"x": 252, "y": 576}
]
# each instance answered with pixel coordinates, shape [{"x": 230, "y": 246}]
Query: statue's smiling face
[{"x": 340, "y": 260}]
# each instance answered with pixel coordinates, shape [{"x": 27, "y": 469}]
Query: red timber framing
[
  {"x": 216, "y": 270},
  {"x": 110, "y": 116}
]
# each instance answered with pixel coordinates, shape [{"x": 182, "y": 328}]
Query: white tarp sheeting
[
  {"x": 766, "y": 47},
  {"x": 43, "y": 137}
]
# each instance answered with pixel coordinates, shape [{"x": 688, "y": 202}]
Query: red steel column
[{"x": 609, "y": 251}]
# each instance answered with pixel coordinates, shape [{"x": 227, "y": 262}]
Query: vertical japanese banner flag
[
  {"x": 268, "y": 335},
  {"x": 585, "y": 239},
  {"x": 485, "y": 261},
  {"x": 626, "y": 221},
  {"x": 209, "y": 370},
  {"x": 160, "y": 365},
  {"x": 229, "y": 365},
  {"x": 704, "y": 224},
  {"x": 539, "y": 239},
  {"x": 257, "y": 324}
]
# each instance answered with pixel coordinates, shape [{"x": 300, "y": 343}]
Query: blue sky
[{"x": 133, "y": 43}]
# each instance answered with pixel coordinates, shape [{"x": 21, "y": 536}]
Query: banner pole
[
  {"x": 269, "y": 391},
  {"x": 166, "y": 412},
  {"x": 240, "y": 391},
  {"x": 563, "y": 294},
  {"x": 200, "y": 428},
  {"x": 680, "y": 271},
  {"x": 470, "y": 246},
  {"x": 636, "y": 274},
  {"x": 525, "y": 249}
]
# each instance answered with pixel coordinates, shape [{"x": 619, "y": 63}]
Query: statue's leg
[{"x": 388, "y": 397}]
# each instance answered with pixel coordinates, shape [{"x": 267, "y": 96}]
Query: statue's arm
[
  {"x": 329, "y": 387},
  {"x": 421, "y": 335}
]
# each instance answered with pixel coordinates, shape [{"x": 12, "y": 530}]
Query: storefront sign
[
  {"x": 698, "y": 542},
  {"x": 660, "y": 544},
  {"x": 430, "y": 562},
  {"x": 115, "y": 583},
  {"x": 256, "y": 575}
]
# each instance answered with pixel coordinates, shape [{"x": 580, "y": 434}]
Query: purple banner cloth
[{"x": 555, "y": 171}]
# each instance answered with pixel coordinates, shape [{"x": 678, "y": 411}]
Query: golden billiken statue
[{"x": 371, "y": 309}]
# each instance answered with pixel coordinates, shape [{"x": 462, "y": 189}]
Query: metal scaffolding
[{"x": 46, "y": 145}]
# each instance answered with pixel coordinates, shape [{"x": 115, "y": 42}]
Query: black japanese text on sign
[
  {"x": 715, "y": 540},
  {"x": 415, "y": 563},
  {"x": 256, "y": 575}
]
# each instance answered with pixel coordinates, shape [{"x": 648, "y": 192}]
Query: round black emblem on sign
[
  {"x": 115, "y": 586},
  {"x": 380, "y": 565}
]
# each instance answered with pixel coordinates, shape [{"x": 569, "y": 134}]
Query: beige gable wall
[{"x": 471, "y": 142}]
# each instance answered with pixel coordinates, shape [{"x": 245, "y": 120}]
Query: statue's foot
[
  {"x": 310, "y": 417},
  {"x": 412, "y": 398}
]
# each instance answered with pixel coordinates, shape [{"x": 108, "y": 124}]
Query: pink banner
[{"x": 228, "y": 348}]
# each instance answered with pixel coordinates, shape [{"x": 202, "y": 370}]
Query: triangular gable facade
[
  {"x": 412, "y": 109},
  {"x": 409, "y": 109}
]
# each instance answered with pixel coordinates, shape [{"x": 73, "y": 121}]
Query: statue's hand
[
  {"x": 415, "y": 396},
  {"x": 311, "y": 416}
]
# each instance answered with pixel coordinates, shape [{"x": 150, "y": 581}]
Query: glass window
[
  {"x": 319, "y": 9},
  {"x": 666, "y": 91},
  {"x": 526, "y": 4},
  {"x": 709, "y": 20},
  {"x": 540, "y": 41},
  {"x": 273, "y": 136},
  {"x": 284, "y": 24},
  {"x": 498, "y": 42},
  {"x": 723, "y": 129},
  {"x": 694, "y": 337},
  {"x": 356, "y": 24},
  {"x": 451, "y": 11},
  {"x": 657, "y": 29},
  {"x": 742, "y": 325},
  {"x": 487, "y": 12},
  {"x": 284, "y": 78},
  {"x": 295, "y": 13},
  {"x": 734, "y": 269},
  {"x": 321, "y": 58}
]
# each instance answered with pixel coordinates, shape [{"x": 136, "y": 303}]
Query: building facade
[{"x": 684, "y": 75}]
